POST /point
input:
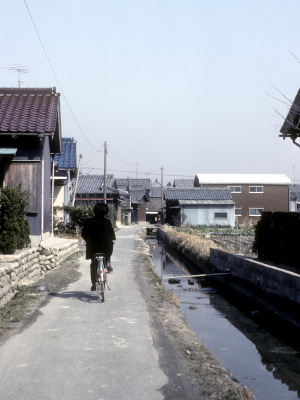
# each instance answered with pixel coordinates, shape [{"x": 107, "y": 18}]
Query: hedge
[{"x": 277, "y": 237}]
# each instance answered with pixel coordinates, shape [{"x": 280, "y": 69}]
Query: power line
[
  {"x": 143, "y": 173},
  {"x": 52, "y": 69}
]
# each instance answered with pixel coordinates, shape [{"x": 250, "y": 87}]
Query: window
[
  {"x": 220, "y": 215},
  {"x": 256, "y": 189},
  {"x": 255, "y": 212},
  {"x": 235, "y": 189},
  {"x": 238, "y": 212}
]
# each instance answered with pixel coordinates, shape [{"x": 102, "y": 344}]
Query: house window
[
  {"x": 238, "y": 212},
  {"x": 220, "y": 215},
  {"x": 256, "y": 189},
  {"x": 235, "y": 189},
  {"x": 255, "y": 212}
]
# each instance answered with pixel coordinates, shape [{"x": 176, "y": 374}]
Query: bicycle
[{"x": 101, "y": 274}]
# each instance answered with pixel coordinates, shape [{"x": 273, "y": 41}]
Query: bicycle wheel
[{"x": 101, "y": 289}]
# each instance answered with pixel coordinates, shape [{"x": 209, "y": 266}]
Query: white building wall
[
  {"x": 205, "y": 215},
  {"x": 59, "y": 195}
]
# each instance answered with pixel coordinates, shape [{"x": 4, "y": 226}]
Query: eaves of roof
[
  {"x": 206, "y": 202},
  {"x": 291, "y": 125},
  {"x": 31, "y": 111}
]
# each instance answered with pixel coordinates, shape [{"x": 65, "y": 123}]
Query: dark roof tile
[
  {"x": 67, "y": 160},
  {"x": 93, "y": 184},
  {"x": 28, "y": 110},
  {"x": 198, "y": 194}
]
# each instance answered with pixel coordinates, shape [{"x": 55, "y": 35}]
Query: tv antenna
[{"x": 20, "y": 69}]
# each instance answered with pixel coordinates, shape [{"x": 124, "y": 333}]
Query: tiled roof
[
  {"x": 67, "y": 160},
  {"x": 141, "y": 183},
  {"x": 137, "y": 195},
  {"x": 184, "y": 183},
  {"x": 197, "y": 194},
  {"x": 28, "y": 110},
  {"x": 290, "y": 127},
  {"x": 91, "y": 184}
]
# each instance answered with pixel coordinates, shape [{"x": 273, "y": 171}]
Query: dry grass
[{"x": 196, "y": 244}]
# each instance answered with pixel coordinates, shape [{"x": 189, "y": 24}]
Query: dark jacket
[{"x": 99, "y": 235}]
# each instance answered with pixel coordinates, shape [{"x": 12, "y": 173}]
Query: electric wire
[
  {"x": 55, "y": 76},
  {"x": 75, "y": 119}
]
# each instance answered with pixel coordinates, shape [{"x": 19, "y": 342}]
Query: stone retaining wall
[{"x": 28, "y": 265}]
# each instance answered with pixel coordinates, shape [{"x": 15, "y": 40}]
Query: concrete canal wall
[
  {"x": 271, "y": 289},
  {"x": 27, "y": 266},
  {"x": 272, "y": 280}
]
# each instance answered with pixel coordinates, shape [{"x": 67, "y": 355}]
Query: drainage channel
[{"x": 259, "y": 360}]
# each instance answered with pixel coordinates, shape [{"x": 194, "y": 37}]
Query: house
[
  {"x": 295, "y": 198},
  {"x": 291, "y": 125},
  {"x": 130, "y": 183},
  {"x": 139, "y": 199},
  {"x": 30, "y": 129},
  {"x": 155, "y": 206},
  {"x": 134, "y": 203},
  {"x": 64, "y": 172},
  {"x": 252, "y": 193},
  {"x": 90, "y": 190},
  {"x": 200, "y": 206}
]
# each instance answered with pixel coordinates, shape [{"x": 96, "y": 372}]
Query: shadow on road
[{"x": 82, "y": 296}]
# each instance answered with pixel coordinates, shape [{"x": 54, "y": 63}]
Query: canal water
[{"x": 259, "y": 360}]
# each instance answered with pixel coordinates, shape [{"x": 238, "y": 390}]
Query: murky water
[{"x": 255, "y": 357}]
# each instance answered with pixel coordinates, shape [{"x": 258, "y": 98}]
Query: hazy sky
[{"x": 187, "y": 85}]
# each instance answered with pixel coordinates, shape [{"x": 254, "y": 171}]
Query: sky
[{"x": 174, "y": 88}]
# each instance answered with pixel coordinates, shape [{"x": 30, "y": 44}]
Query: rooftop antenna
[
  {"x": 19, "y": 69},
  {"x": 293, "y": 166}
]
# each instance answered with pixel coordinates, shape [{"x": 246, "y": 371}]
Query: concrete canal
[{"x": 269, "y": 366}]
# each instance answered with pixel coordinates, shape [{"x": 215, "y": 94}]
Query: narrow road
[{"x": 80, "y": 348}]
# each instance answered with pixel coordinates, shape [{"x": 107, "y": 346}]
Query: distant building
[
  {"x": 200, "y": 206},
  {"x": 295, "y": 198},
  {"x": 155, "y": 205},
  {"x": 90, "y": 190},
  {"x": 64, "y": 172},
  {"x": 252, "y": 193}
]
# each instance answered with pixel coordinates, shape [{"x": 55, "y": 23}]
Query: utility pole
[
  {"x": 136, "y": 164},
  {"x": 76, "y": 182},
  {"x": 162, "y": 195},
  {"x": 104, "y": 177}
]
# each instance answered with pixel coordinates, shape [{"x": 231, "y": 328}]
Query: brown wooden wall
[{"x": 27, "y": 175}]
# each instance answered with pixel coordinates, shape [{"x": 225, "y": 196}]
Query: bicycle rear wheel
[{"x": 101, "y": 290}]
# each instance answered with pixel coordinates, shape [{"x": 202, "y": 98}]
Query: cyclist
[{"x": 99, "y": 236}]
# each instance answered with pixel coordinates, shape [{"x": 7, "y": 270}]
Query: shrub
[
  {"x": 276, "y": 237},
  {"x": 14, "y": 228},
  {"x": 76, "y": 216}
]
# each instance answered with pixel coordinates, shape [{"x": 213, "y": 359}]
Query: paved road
[{"x": 79, "y": 348}]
